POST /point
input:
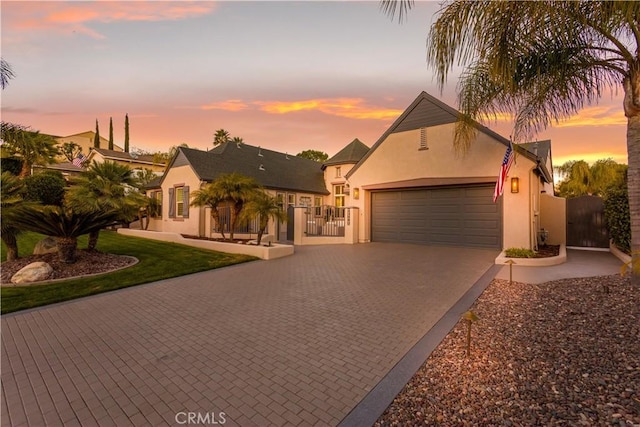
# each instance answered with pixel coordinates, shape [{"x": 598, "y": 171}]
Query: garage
[{"x": 455, "y": 216}]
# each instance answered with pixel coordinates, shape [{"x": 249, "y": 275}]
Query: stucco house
[
  {"x": 294, "y": 181},
  {"x": 133, "y": 161},
  {"x": 412, "y": 186}
]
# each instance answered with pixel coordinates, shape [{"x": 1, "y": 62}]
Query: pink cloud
[{"x": 66, "y": 17}]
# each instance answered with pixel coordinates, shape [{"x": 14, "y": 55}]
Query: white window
[
  {"x": 179, "y": 201},
  {"x": 338, "y": 171}
]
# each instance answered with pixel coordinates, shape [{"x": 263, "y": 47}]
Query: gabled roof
[
  {"x": 542, "y": 152},
  {"x": 352, "y": 153},
  {"x": 428, "y": 111},
  {"x": 121, "y": 155},
  {"x": 272, "y": 169}
]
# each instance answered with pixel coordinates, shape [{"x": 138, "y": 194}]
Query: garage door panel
[{"x": 464, "y": 216}]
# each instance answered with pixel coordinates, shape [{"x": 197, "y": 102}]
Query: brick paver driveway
[{"x": 293, "y": 341}]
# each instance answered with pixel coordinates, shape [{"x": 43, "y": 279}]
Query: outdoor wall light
[
  {"x": 356, "y": 193},
  {"x": 515, "y": 185}
]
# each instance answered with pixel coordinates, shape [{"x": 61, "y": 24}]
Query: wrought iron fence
[
  {"x": 326, "y": 220},
  {"x": 247, "y": 227}
]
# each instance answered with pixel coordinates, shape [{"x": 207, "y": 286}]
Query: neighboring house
[
  {"x": 413, "y": 187},
  {"x": 85, "y": 141},
  {"x": 132, "y": 160},
  {"x": 293, "y": 180}
]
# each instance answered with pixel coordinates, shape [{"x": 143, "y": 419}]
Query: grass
[{"x": 158, "y": 260}]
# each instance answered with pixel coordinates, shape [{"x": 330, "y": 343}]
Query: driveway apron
[{"x": 293, "y": 341}]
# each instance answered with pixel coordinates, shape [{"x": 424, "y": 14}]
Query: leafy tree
[
  {"x": 582, "y": 179},
  {"x": 96, "y": 137},
  {"x": 126, "y": 133},
  {"x": 70, "y": 150},
  {"x": 264, "y": 207},
  {"x": 65, "y": 225},
  {"x": 110, "y": 133},
  {"x": 6, "y": 73},
  {"x": 143, "y": 177},
  {"x": 29, "y": 146},
  {"x": 541, "y": 61},
  {"x": 315, "y": 155},
  {"x": 46, "y": 188},
  {"x": 103, "y": 187},
  {"x": 220, "y": 137}
]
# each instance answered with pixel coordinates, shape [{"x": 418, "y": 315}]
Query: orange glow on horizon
[
  {"x": 353, "y": 108},
  {"x": 228, "y": 105}
]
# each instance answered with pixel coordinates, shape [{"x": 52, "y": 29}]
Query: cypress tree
[
  {"x": 96, "y": 138},
  {"x": 126, "y": 133},
  {"x": 110, "y": 133}
]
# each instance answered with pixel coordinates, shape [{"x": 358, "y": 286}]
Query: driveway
[{"x": 293, "y": 341}]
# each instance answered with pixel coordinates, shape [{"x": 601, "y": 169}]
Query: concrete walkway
[
  {"x": 294, "y": 341},
  {"x": 580, "y": 263}
]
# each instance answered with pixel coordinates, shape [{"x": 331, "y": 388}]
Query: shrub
[
  {"x": 618, "y": 217},
  {"x": 46, "y": 188},
  {"x": 520, "y": 253},
  {"x": 11, "y": 164}
]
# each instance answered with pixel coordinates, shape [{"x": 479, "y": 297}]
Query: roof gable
[
  {"x": 424, "y": 111},
  {"x": 270, "y": 168},
  {"x": 352, "y": 153}
]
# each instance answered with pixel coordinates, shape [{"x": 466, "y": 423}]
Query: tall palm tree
[
  {"x": 106, "y": 186},
  {"x": 264, "y": 207},
  {"x": 12, "y": 205},
  {"x": 31, "y": 147},
  {"x": 65, "y": 225},
  {"x": 542, "y": 62},
  {"x": 220, "y": 137}
]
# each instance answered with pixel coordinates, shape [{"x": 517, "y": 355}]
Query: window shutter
[
  {"x": 172, "y": 203},
  {"x": 185, "y": 201}
]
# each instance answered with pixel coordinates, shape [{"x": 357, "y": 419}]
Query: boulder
[
  {"x": 46, "y": 246},
  {"x": 34, "y": 272}
]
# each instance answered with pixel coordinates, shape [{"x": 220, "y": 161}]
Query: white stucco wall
[
  {"x": 179, "y": 176},
  {"x": 398, "y": 158}
]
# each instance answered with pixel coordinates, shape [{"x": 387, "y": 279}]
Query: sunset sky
[{"x": 287, "y": 76}]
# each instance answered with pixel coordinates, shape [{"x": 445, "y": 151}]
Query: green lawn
[{"x": 158, "y": 260}]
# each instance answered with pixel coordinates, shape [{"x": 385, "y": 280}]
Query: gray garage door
[{"x": 460, "y": 216}]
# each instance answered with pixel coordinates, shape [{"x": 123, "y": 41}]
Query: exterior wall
[
  {"x": 553, "y": 218},
  {"x": 183, "y": 176},
  {"x": 399, "y": 158},
  {"x": 331, "y": 178},
  {"x": 350, "y": 231}
]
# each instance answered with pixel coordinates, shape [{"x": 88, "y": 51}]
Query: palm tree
[
  {"x": 237, "y": 140},
  {"x": 265, "y": 208},
  {"x": 106, "y": 186},
  {"x": 12, "y": 205},
  {"x": 208, "y": 196},
  {"x": 6, "y": 73},
  {"x": 542, "y": 62},
  {"x": 29, "y": 146},
  {"x": 65, "y": 226},
  {"x": 231, "y": 189},
  {"x": 220, "y": 137}
]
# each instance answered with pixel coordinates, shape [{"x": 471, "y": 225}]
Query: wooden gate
[{"x": 586, "y": 226}]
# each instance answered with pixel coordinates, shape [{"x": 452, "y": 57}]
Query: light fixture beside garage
[
  {"x": 356, "y": 193},
  {"x": 515, "y": 184}
]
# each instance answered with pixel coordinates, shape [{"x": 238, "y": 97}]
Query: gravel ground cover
[{"x": 560, "y": 353}]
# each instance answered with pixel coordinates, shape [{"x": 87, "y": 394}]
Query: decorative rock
[
  {"x": 34, "y": 272},
  {"x": 46, "y": 246}
]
